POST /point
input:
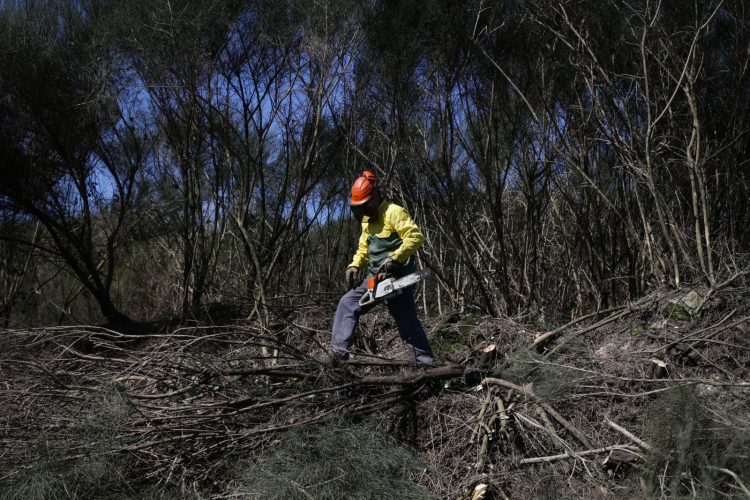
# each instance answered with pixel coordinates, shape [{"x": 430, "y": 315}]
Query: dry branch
[
  {"x": 185, "y": 391},
  {"x": 576, "y": 454},
  {"x": 734, "y": 476},
  {"x": 418, "y": 377},
  {"x": 629, "y": 435},
  {"x": 619, "y": 313},
  {"x": 528, "y": 392}
]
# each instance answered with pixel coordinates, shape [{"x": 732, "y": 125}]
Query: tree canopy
[{"x": 161, "y": 157}]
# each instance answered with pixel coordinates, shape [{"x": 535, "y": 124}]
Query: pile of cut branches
[
  {"x": 190, "y": 402},
  {"x": 648, "y": 399}
]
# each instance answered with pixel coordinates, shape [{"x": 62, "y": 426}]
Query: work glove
[
  {"x": 389, "y": 266},
  {"x": 352, "y": 277}
]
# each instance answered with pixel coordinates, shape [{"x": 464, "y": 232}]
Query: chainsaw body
[{"x": 380, "y": 287}]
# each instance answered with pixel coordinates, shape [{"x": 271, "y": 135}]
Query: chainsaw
[{"x": 380, "y": 287}]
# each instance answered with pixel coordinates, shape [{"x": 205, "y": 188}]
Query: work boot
[
  {"x": 332, "y": 357},
  {"x": 427, "y": 362},
  {"x": 422, "y": 358},
  {"x": 338, "y": 357}
]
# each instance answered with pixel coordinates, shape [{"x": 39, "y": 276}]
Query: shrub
[
  {"x": 690, "y": 444},
  {"x": 81, "y": 460},
  {"x": 333, "y": 461}
]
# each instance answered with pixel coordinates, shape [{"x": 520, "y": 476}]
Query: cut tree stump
[{"x": 488, "y": 357}]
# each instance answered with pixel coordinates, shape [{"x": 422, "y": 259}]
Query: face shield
[
  {"x": 369, "y": 208},
  {"x": 358, "y": 212}
]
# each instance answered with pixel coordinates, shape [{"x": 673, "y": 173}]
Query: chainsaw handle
[
  {"x": 380, "y": 275},
  {"x": 367, "y": 299},
  {"x": 369, "y": 296},
  {"x": 382, "y": 271}
]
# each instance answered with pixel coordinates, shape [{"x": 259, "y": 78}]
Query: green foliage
[
  {"x": 679, "y": 312},
  {"x": 689, "y": 443},
  {"x": 637, "y": 329},
  {"x": 331, "y": 462},
  {"x": 450, "y": 339},
  {"x": 137, "y": 124},
  {"x": 94, "y": 472},
  {"x": 527, "y": 366},
  {"x": 82, "y": 461}
]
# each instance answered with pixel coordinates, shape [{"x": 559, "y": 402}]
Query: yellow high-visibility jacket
[{"x": 394, "y": 234}]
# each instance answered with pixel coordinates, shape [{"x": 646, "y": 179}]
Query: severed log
[
  {"x": 479, "y": 492},
  {"x": 659, "y": 368},
  {"x": 379, "y": 362},
  {"x": 281, "y": 371},
  {"x": 619, "y": 458},
  {"x": 416, "y": 377}
]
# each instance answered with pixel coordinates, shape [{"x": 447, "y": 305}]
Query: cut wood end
[
  {"x": 620, "y": 456},
  {"x": 659, "y": 363},
  {"x": 479, "y": 492},
  {"x": 659, "y": 368}
]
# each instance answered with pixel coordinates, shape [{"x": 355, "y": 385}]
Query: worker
[{"x": 387, "y": 243}]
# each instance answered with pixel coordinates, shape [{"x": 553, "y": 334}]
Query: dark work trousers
[{"x": 402, "y": 308}]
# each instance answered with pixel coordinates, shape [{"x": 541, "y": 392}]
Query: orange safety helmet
[{"x": 363, "y": 188}]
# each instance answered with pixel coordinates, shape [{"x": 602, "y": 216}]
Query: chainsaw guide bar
[{"x": 380, "y": 288}]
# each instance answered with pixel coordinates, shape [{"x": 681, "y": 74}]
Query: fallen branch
[
  {"x": 734, "y": 476},
  {"x": 630, "y": 436},
  {"x": 529, "y": 392},
  {"x": 718, "y": 287},
  {"x": 570, "y": 427},
  {"x": 546, "y": 336},
  {"x": 694, "y": 334},
  {"x": 621, "y": 312},
  {"x": 424, "y": 375},
  {"x": 562, "y": 456}
]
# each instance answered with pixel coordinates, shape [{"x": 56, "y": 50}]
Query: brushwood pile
[{"x": 648, "y": 399}]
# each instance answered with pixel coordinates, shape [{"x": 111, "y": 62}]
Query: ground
[{"x": 645, "y": 400}]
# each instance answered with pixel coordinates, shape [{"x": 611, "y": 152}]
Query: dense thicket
[{"x": 161, "y": 157}]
